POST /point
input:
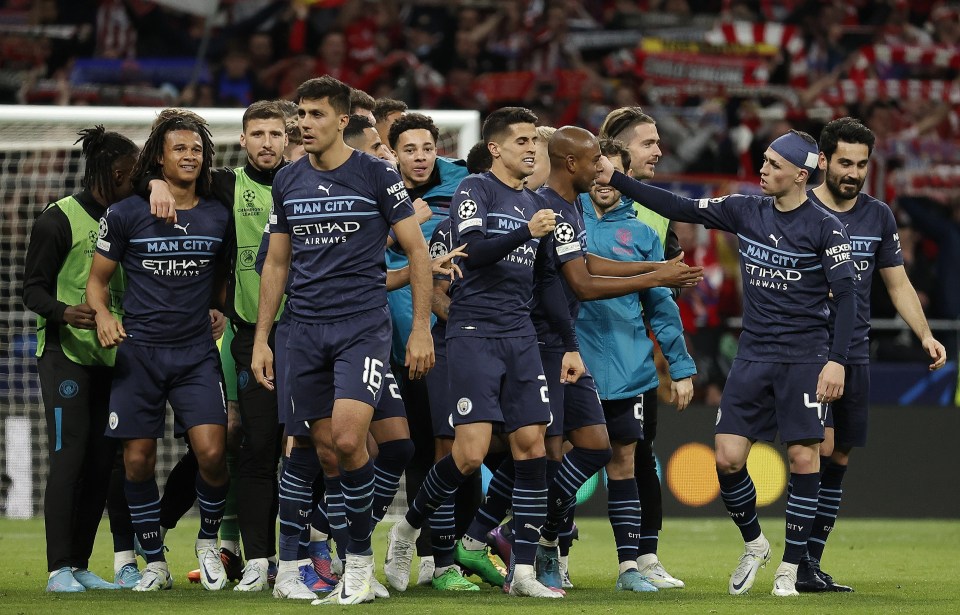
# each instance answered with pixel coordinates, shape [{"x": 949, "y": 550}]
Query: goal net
[{"x": 39, "y": 164}]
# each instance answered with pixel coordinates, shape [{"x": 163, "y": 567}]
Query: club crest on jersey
[
  {"x": 467, "y": 209},
  {"x": 464, "y": 406},
  {"x": 438, "y": 249}
]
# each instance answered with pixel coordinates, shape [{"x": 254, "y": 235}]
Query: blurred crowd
[{"x": 722, "y": 78}]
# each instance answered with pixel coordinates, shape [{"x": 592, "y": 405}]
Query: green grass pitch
[{"x": 895, "y": 566}]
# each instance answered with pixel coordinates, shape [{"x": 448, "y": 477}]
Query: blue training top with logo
[
  {"x": 338, "y": 222},
  {"x": 493, "y": 301},
  {"x": 169, "y": 268},
  {"x": 876, "y": 245},
  {"x": 569, "y": 242}
]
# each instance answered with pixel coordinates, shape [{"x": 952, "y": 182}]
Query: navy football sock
[
  {"x": 357, "y": 487},
  {"x": 494, "y": 507},
  {"x": 143, "y": 498},
  {"x": 296, "y": 499},
  {"x": 623, "y": 507},
  {"x": 740, "y": 497},
  {"x": 828, "y": 505},
  {"x": 801, "y": 510},
  {"x": 392, "y": 460},
  {"x": 529, "y": 508},
  {"x": 442, "y": 481},
  {"x": 212, "y": 501}
]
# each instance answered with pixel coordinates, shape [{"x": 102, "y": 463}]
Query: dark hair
[
  {"x": 361, "y": 100},
  {"x": 294, "y": 136},
  {"x": 479, "y": 159},
  {"x": 336, "y": 92},
  {"x": 848, "y": 130},
  {"x": 264, "y": 110},
  {"x": 101, "y": 150},
  {"x": 412, "y": 121},
  {"x": 170, "y": 120},
  {"x": 620, "y": 120},
  {"x": 288, "y": 107},
  {"x": 615, "y": 147},
  {"x": 355, "y": 127},
  {"x": 500, "y": 121},
  {"x": 385, "y": 106}
]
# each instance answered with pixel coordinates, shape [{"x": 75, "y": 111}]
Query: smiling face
[
  {"x": 416, "y": 156},
  {"x": 264, "y": 141},
  {"x": 182, "y": 156},
  {"x": 846, "y": 170},
  {"x": 643, "y": 143},
  {"x": 606, "y": 198},
  {"x": 517, "y": 151}
]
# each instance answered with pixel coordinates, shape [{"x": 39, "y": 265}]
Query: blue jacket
[
  {"x": 613, "y": 336},
  {"x": 400, "y": 301}
]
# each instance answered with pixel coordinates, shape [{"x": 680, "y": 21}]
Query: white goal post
[
  {"x": 47, "y": 127},
  {"x": 40, "y": 163}
]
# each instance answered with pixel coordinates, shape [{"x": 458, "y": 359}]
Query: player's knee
[
  {"x": 348, "y": 445},
  {"x": 328, "y": 461},
  {"x": 468, "y": 461},
  {"x": 212, "y": 459},
  {"x": 728, "y": 465}
]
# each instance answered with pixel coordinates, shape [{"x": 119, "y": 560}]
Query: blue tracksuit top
[
  {"x": 613, "y": 336},
  {"x": 401, "y": 300}
]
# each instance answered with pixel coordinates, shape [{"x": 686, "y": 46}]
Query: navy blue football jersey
[
  {"x": 170, "y": 268},
  {"x": 338, "y": 222},
  {"x": 493, "y": 301},
  {"x": 875, "y": 244},
  {"x": 569, "y": 241}
]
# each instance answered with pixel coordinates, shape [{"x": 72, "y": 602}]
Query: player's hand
[
  {"x": 681, "y": 392},
  {"x": 571, "y": 368},
  {"x": 542, "y": 223},
  {"x": 218, "y": 323},
  {"x": 261, "y": 364},
  {"x": 674, "y": 273},
  {"x": 606, "y": 171},
  {"x": 422, "y": 211},
  {"x": 162, "y": 203},
  {"x": 444, "y": 265},
  {"x": 109, "y": 330},
  {"x": 936, "y": 351},
  {"x": 80, "y": 316},
  {"x": 830, "y": 383},
  {"x": 420, "y": 357}
]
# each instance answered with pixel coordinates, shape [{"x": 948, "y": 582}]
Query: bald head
[
  {"x": 571, "y": 141},
  {"x": 574, "y": 154}
]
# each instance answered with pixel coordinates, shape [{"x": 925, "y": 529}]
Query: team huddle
[{"x": 372, "y": 290}]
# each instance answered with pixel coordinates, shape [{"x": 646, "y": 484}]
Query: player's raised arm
[{"x": 656, "y": 199}]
